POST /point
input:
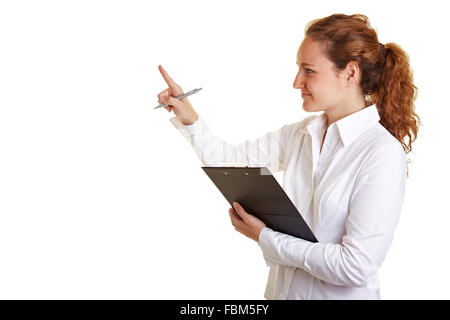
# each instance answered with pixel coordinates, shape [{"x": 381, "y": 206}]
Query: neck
[{"x": 344, "y": 110}]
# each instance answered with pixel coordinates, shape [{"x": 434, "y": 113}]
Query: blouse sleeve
[
  {"x": 374, "y": 212},
  {"x": 266, "y": 151}
]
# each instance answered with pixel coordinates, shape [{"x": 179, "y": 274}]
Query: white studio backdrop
[{"x": 102, "y": 198}]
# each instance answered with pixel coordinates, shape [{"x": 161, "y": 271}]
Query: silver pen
[{"x": 184, "y": 95}]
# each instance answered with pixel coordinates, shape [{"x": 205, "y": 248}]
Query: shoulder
[
  {"x": 298, "y": 126},
  {"x": 381, "y": 139},
  {"x": 383, "y": 150}
]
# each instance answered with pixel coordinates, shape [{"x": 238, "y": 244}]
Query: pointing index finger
[{"x": 166, "y": 76}]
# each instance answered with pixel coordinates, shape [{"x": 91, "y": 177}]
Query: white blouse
[{"x": 350, "y": 194}]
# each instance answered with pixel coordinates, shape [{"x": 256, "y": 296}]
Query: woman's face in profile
[{"x": 322, "y": 89}]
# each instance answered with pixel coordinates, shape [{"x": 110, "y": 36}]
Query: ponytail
[{"x": 395, "y": 96}]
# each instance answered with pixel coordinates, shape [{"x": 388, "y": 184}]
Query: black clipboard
[{"x": 259, "y": 193}]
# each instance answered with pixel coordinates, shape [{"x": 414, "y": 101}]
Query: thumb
[{"x": 239, "y": 210}]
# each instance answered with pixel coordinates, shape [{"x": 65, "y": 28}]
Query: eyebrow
[{"x": 307, "y": 64}]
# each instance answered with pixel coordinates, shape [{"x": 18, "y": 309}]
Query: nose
[{"x": 299, "y": 82}]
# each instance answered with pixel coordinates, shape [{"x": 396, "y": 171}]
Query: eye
[{"x": 309, "y": 70}]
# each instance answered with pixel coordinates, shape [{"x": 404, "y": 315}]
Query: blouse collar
[{"x": 349, "y": 127}]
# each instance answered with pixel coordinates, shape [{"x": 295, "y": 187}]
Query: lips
[{"x": 304, "y": 94}]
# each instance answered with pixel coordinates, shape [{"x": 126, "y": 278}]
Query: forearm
[
  {"x": 338, "y": 264},
  {"x": 212, "y": 151}
]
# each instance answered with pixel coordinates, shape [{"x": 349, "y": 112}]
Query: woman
[{"x": 345, "y": 169}]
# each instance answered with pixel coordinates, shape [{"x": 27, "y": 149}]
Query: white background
[{"x": 102, "y": 198}]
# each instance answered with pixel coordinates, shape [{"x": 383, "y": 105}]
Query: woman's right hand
[{"x": 182, "y": 108}]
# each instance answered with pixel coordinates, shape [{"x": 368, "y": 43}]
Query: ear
[{"x": 352, "y": 73}]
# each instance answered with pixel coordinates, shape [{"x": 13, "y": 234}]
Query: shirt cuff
[
  {"x": 188, "y": 130},
  {"x": 262, "y": 242},
  {"x": 283, "y": 249}
]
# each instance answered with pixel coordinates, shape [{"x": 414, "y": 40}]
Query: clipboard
[{"x": 258, "y": 192}]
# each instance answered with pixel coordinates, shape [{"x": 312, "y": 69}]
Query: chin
[{"x": 308, "y": 106}]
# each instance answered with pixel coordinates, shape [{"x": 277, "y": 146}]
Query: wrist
[{"x": 190, "y": 122}]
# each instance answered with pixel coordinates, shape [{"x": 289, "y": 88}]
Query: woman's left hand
[{"x": 245, "y": 223}]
